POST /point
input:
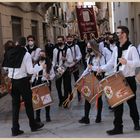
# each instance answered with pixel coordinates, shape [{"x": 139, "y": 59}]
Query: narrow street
[{"x": 64, "y": 122}]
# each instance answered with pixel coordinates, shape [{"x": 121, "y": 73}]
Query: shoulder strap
[{"x": 138, "y": 52}]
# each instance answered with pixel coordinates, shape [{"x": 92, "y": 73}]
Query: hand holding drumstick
[{"x": 123, "y": 61}]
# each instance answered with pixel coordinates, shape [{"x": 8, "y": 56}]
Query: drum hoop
[
  {"x": 111, "y": 75},
  {"x": 44, "y": 105},
  {"x": 122, "y": 100},
  {"x": 39, "y": 85},
  {"x": 83, "y": 77}
]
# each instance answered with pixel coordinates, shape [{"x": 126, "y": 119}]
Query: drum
[
  {"x": 116, "y": 89},
  {"x": 59, "y": 71},
  {"x": 41, "y": 97},
  {"x": 74, "y": 68},
  {"x": 88, "y": 87}
]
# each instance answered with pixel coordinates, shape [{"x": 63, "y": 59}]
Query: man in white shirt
[
  {"x": 19, "y": 64},
  {"x": 125, "y": 58},
  {"x": 76, "y": 54},
  {"x": 62, "y": 57}
]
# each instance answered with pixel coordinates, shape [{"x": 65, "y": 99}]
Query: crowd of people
[{"x": 28, "y": 65}]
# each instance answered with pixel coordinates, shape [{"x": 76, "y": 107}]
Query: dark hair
[
  {"x": 124, "y": 29},
  {"x": 22, "y": 41},
  {"x": 60, "y": 37},
  {"x": 8, "y": 45},
  {"x": 30, "y": 36}
]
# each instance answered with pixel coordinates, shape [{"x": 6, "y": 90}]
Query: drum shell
[
  {"x": 74, "y": 68},
  {"x": 41, "y": 97},
  {"x": 116, "y": 89},
  {"x": 89, "y": 82}
]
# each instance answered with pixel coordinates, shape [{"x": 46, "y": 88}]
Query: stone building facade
[{"x": 128, "y": 14}]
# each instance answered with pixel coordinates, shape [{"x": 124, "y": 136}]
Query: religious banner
[{"x": 86, "y": 22}]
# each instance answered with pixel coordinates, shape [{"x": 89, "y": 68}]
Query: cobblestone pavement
[{"x": 65, "y": 121}]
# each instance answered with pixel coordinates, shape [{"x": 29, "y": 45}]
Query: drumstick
[
  {"x": 68, "y": 100},
  {"x": 116, "y": 66}
]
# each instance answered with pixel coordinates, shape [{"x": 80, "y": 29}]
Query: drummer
[
  {"x": 45, "y": 75},
  {"x": 94, "y": 60},
  {"x": 125, "y": 58}
]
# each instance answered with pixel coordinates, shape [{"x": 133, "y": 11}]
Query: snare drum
[
  {"x": 116, "y": 89},
  {"x": 88, "y": 87},
  {"x": 74, "y": 68},
  {"x": 41, "y": 97},
  {"x": 59, "y": 71}
]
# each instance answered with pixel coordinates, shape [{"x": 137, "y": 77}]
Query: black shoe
[
  {"x": 136, "y": 127},
  {"x": 37, "y": 126},
  {"x": 17, "y": 132},
  {"x": 98, "y": 120},
  {"x": 48, "y": 119},
  {"x": 84, "y": 120},
  {"x": 38, "y": 119},
  {"x": 114, "y": 132}
]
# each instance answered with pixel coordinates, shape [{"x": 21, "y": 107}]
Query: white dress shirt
[
  {"x": 35, "y": 54},
  {"x": 69, "y": 58},
  {"x": 51, "y": 74},
  {"x": 26, "y": 68},
  {"x": 96, "y": 63},
  {"x": 76, "y": 53},
  {"x": 133, "y": 61}
]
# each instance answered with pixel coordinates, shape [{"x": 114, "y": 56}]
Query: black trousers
[
  {"x": 66, "y": 77},
  {"x": 76, "y": 77},
  {"x": 47, "y": 109},
  {"x": 118, "y": 111},
  {"x": 22, "y": 88},
  {"x": 99, "y": 109}
]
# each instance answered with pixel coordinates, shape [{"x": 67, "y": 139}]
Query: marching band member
[
  {"x": 94, "y": 60},
  {"x": 62, "y": 56},
  {"x": 19, "y": 63},
  {"x": 124, "y": 58},
  {"x": 76, "y": 53},
  {"x": 43, "y": 76}
]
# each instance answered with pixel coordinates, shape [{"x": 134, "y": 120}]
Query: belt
[{"x": 24, "y": 78}]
